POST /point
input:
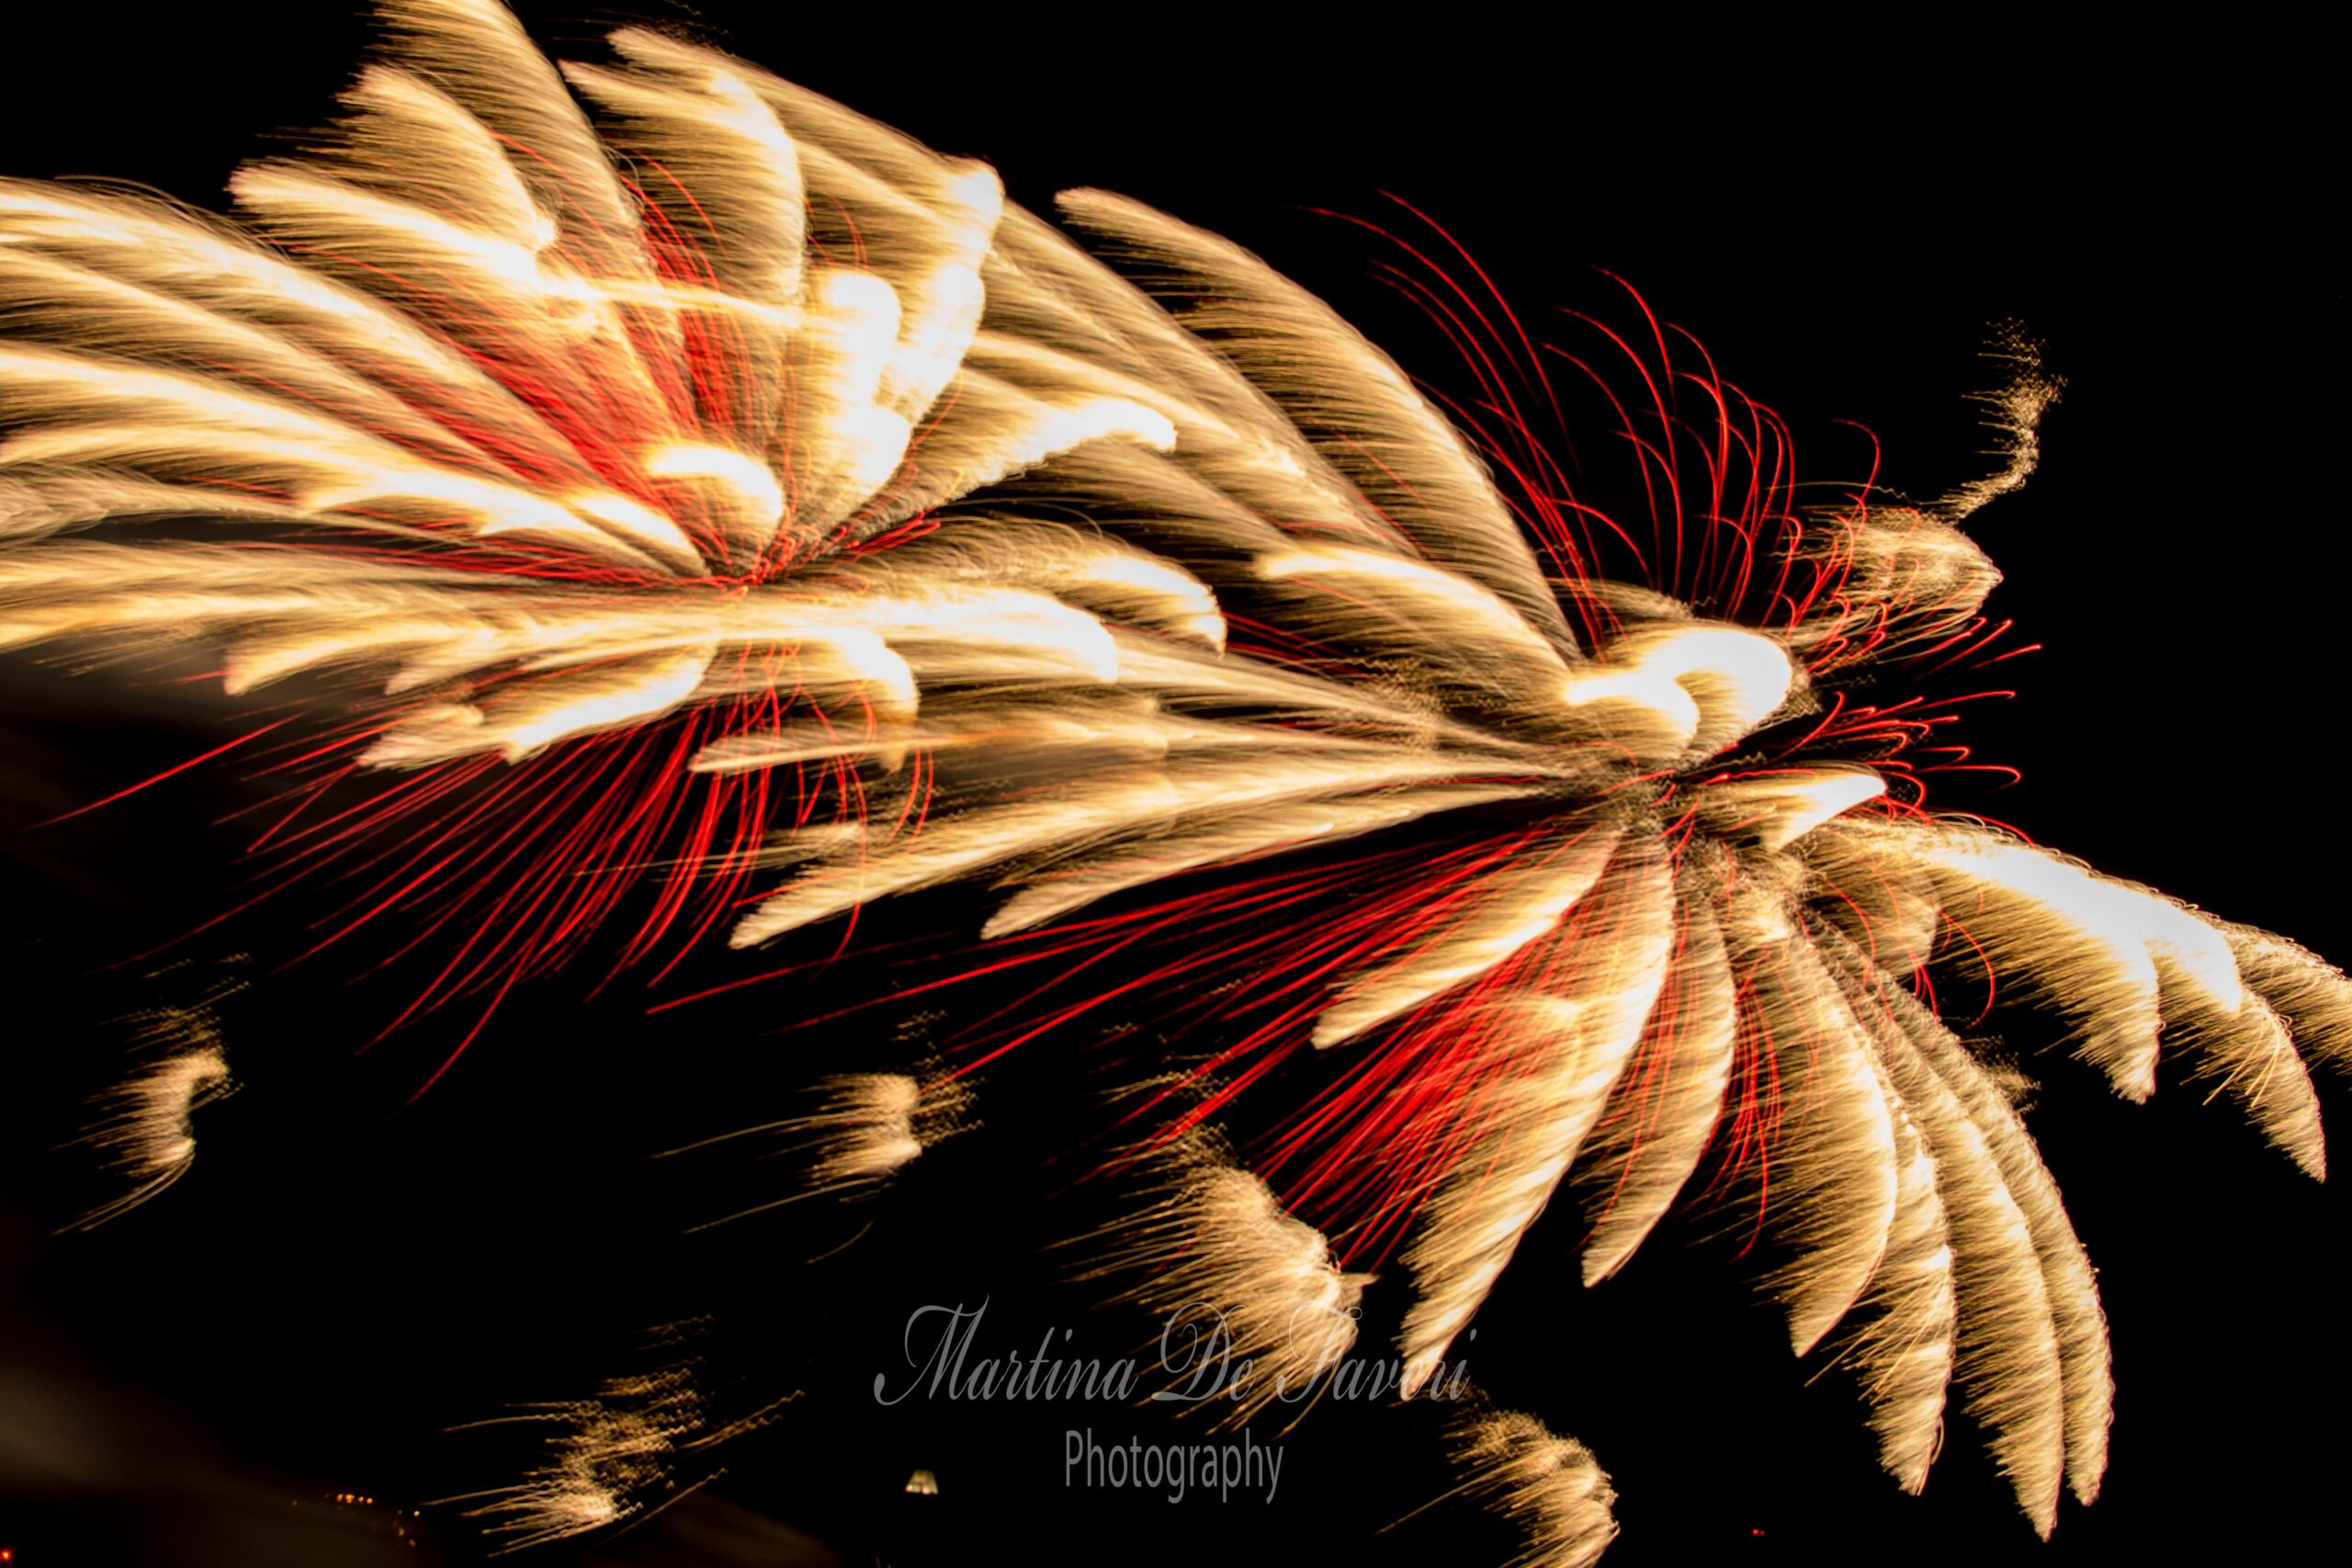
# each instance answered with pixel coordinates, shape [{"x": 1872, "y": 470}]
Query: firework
[
  {"x": 639, "y": 1445},
  {"x": 1704, "y": 905},
  {"x": 1234, "y": 1280},
  {"x": 862, "y": 1129},
  {"x": 654, "y": 468},
  {"x": 517, "y": 445},
  {"x": 142, "y": 1129},
  {"x": 1550, "y": 1486}
]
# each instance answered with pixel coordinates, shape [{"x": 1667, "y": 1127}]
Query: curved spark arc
[{"x": 743, "y": 462}]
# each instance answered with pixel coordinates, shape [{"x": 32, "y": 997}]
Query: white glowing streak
[
  {"x": 1833, "y": 1170},
  {"x": 1904, "y": 1349},
  {"x": 1575, "y": 1035},
  {"x": 2099, "y": 947},
  {"x": 1028, "y": 731},
  {"x": 618, "y": 699},
  {"x": 1642, "y": 1154},
  {"x": 2012, "y": 1365},
  {"x": 1703, "y": 686},
  {"x": 753, "y": 485},
  {"x": 2069, "y": 1282},
  {"x": 1519, "y": 906},
  {"x": 1431, "y": 595},
  {"x": 640, "y": 526},
  {"x": 850, "y": 446},
  {"x": 1777, "y": 810},
  {"x": 1180, "y": 598},
  {"x": 1221, "y": 840}
]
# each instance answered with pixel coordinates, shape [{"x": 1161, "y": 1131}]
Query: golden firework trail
[{"x": 653, "y": 465}]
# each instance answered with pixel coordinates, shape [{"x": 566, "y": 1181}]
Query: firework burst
[
  {"x": 653, "y": 474},
  {"x": 559, "y": 466},
  {"x": 1675, "y": 890}
]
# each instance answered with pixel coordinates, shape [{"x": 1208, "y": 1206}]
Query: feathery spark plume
[
  {"x": 639, "y": 1445},
  {"x": 1550, "y": 1486},
  {"x": 142, "y": 1129},
  {"x": 1234, "y": 1281},
  {"x": 867, "y": 1127}
]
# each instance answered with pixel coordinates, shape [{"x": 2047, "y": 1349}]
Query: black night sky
[{"x": 1840, "y": 218}]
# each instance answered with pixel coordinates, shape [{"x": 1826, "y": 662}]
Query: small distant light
[{"x": 922, "y": 1483}]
